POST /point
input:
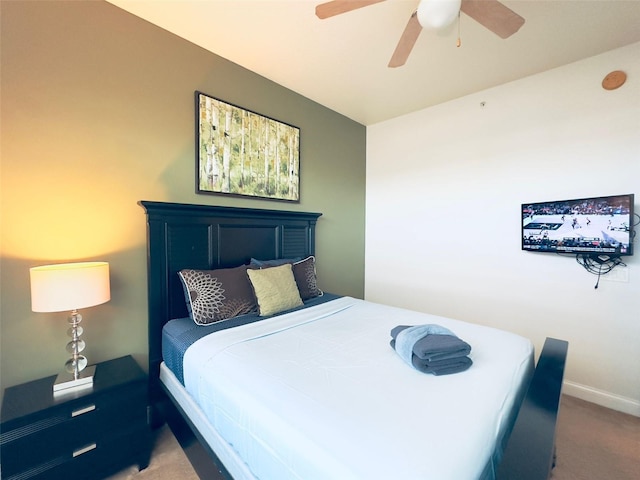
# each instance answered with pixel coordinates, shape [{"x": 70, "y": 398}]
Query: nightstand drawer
[
  {"x": 76, "y": 427},
  {"x": 81, "y": 434},
  {"x": 94, "y": 460},
  {"x": 59, "y": 436}
]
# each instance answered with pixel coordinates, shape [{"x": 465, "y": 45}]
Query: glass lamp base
[{"x": 65, "y": 381}]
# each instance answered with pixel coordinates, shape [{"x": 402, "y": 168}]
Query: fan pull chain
[{"x": 459, "y": 42}]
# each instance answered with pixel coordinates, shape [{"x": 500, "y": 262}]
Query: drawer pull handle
[
  {"x": 82, "y": 450},
  {"x": 80, "y": 411}
]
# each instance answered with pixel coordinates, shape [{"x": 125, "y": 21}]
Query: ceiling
[{"x": 341, "y": 62}]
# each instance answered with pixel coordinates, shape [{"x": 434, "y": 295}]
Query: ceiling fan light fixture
[{"x": 437, "y": 14}]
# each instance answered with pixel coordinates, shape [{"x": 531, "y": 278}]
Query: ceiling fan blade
[
  {"x": 406, "y": 43},
  {"x": 336, "y": 7},
  {"x": 493, "y": 15}
]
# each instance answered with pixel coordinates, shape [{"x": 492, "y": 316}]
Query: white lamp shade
[
  {"x": 436, "y": 14},
  {"x": 69, "y": 286}
]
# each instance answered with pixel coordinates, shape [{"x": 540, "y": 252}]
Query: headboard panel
[{"x": 209, "y": 237}]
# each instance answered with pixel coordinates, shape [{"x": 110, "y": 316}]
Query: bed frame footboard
[{"x": 530, "y": 452}]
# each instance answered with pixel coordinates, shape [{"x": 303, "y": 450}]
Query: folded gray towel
[
  {"x": 431, "y": 349},
  {"x": 433, "y": 344},
  {"x": 443, "y": 367},
  {"x": 440, "y": 367}
]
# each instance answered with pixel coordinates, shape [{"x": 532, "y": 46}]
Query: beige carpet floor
[
  {"x": 596, "y": 443},
  {"x": 168, "y": 461},
  {"x": 592, "y": 443}
]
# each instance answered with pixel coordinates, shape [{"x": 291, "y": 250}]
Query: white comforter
[{"x": 320, "y": 394}]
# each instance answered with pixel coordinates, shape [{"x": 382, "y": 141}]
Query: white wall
[{"x": 444, "y": 189}]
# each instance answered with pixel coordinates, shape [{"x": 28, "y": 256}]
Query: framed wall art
[{"x": 240, "y": 152}]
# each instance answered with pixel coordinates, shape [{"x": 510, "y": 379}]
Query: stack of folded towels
[{"x": 431, "y": 349}]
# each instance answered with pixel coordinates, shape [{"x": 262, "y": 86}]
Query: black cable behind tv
[{"x": 599, "y": 264}]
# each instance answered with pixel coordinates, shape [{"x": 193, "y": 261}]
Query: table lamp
[{"x": 69, "y": 287}]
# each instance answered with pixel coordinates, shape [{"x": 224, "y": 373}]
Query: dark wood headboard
[{"x": 208, "y": 237}]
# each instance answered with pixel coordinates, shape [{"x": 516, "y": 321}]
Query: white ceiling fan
[{"x": 435, "y": 14}]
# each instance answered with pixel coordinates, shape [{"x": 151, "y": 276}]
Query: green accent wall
[{"x": 97, "y": 113}]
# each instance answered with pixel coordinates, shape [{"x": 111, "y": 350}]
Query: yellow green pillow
[{"x": 275, "y": 289}]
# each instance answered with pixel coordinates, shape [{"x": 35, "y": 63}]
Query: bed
[{"x": 251, "y": 401}]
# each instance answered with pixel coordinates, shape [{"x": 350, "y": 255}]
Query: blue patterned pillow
[
  {"x": 271, "y": 263},
  {"x": 214, "y": 295}
]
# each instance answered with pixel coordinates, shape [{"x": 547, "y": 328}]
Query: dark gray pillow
[
  {"x": 214, "y": 295},
  {"x": 304, "y": 272}
]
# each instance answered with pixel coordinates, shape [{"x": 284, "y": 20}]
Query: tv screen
[{"x": 598, "y": 225}]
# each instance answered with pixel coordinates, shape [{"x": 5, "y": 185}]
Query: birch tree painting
[{"x": 243, "y": 153}]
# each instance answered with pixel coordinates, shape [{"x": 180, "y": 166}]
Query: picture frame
[{"x": 242, "y": 153}]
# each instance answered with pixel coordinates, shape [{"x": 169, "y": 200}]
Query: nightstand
[{"x": 86, "y": 434}]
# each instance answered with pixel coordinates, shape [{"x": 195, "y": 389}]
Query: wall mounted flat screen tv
[{"x": 598, "y": 226}]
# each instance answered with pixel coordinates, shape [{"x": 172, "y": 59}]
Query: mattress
[
  {"x": 320, "y": 394},
  {"x": 178, "y": 334}
]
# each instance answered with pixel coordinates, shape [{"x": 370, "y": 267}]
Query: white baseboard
[{"x": 600, "y": 397}]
